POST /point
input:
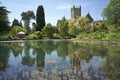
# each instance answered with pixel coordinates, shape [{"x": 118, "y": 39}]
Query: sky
[{"x": 55, "y": 9}]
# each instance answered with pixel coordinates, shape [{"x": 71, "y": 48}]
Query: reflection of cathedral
[{"x": 76, "y": 11}]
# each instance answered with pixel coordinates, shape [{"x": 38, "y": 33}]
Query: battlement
[{"x": 75, "y": 11}]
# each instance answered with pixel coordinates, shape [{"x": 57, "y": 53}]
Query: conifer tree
[
  {"x": 40, "y": 18},
  {"x": 4, "y": 22}
]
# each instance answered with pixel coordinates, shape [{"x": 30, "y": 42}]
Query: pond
[{"x": 58, "y": 60}]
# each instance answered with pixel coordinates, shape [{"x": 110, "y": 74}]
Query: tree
[
  {"x": 72, "y": 29},
  {"x": 40, "y": 18},
  {"x": 4, "y": 22},
  {"x": 26, "y": 17},
  {"x": 33, "y": 27},
  {"x": 15, "y": 23},
  {"x": 77, "y": 25},
  {"x": 112, "y": 13},
  {"x": 14, "y": 31},
  {"x": 21, "y": 23},
  {"x": 49, "y": 30},
  {"x": 63, "y": 27}
]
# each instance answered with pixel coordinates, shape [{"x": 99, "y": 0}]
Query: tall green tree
[
  {"x": 4, "y": 22},
  {"x": 26, "y": 17},
  {"x": 112, "y": 13},
  {"x": 40, "y": 18},
  {"x": 63, "y": 27},
  {"x": 15, "y": 23}
]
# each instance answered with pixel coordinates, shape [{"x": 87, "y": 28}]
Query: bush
[
  {"x": 32, "y": 36},
  {"x": 3, "y": 38},
  {"x": 91, "y": 36},
  {"x": 38, "y": 33},
  {"x": 14, "y": 31},
  {"x": 35, "y": 35},
  {"x": 56, "y": 36}
]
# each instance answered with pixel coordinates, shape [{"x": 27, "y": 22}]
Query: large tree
[
  {"x": 63, "y": 27},
  {"x": 40, "y": 18},
  {"x": 77, "y": 25},
  {"x": 4, "y": 22},
  {"x": 26, "y": 17},
  {"x": 16, "y": 23},
  {"x": 112, "y": 12}
]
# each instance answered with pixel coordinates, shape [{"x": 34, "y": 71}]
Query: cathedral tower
[{"x": 75, "y": 11}]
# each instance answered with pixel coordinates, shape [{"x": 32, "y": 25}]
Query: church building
[{"x": 76, "y": 11}]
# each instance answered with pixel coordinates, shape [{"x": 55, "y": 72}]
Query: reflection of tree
[
  {"x": 84, "y": 52},
  {"x": 27, "y": 59},
  {"x": 39, "y": 48},
  {"x": 48, "y": 46},
  {"x": 16, "y": 48},
  {"x": 62, "y": 49},
  {"x": 112, "y": 64},
  {"x": 4, "y": 54},
  {"x": 40, "y": 59}
]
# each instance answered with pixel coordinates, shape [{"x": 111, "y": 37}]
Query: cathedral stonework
[{"x": 75, "y": 11}]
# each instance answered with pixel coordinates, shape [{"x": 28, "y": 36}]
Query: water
[{"x": 58, "y": 60}]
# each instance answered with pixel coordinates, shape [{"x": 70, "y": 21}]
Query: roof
[
  {"x": 89, "y": 17},
  {"x": 21, "y": 32}
]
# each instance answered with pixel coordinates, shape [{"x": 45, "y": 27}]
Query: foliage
[
  {"x": 3, "y": 38},
  {"x": 73, "y": 31},
  {"x": 112, "y": 13},
  {"x": 49, "y": 30},
  {"x": 91, "y": 36},
  {"x": 35, "y": 35},
  {"x": 99, "y": 27},
  {"x": 77, "y": 25},
  {"x": 26, "y": 17},
  {"x": 16, "y": 23},
  {"x": 63, "y": 27},
  {"x": 33, "y": 27},
  {"x": 112, "y": 62},
  {"x": 32, "y": 36},
  {"x": 14, "y": 31},
  {"x": 40, "y": 18},
  {"x": 99, "y": 36},
  {"x": 56, "y": 36},
  {"x": 4, "y": 22}
]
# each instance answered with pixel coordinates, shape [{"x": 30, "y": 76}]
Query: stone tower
[{"x": 75, "y": 11}]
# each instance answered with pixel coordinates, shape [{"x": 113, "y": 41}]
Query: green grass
[{"x": 99, "y": 36}]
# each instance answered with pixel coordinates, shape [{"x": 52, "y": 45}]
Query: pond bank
[
  {"x": 35, "y": 40},
  {"x": 102, "y": 42}
]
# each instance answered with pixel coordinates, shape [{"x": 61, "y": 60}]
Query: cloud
[
  {"x": 68, "y": 5},
  {"x": 64, "y": 6}
]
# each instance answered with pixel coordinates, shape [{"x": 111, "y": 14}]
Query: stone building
[
  {"x": 89, "y": 17},
  {"x": 75, "y": 11}
]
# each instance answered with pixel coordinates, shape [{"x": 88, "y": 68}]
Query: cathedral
[{"x": 76, "y": 11}]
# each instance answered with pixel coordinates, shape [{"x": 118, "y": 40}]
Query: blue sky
[{"x": 55, "y": 9}]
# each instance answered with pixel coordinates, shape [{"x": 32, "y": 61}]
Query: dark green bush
[{"x": 4, "y": 38}]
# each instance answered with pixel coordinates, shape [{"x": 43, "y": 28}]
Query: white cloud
[{"x": 64, "y": 6}]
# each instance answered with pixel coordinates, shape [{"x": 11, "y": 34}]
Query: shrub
[
  {"x": 56, "y": 36},
  {"x": 3, "y": 38},
  {"x": 32, "y": 36},
  {"x": 35, "y": 35}
]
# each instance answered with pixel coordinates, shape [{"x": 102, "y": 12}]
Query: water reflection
[{"x": 58, "y": 60}]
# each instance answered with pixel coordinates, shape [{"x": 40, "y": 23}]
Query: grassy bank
[{"x": 99, "y": 36}]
